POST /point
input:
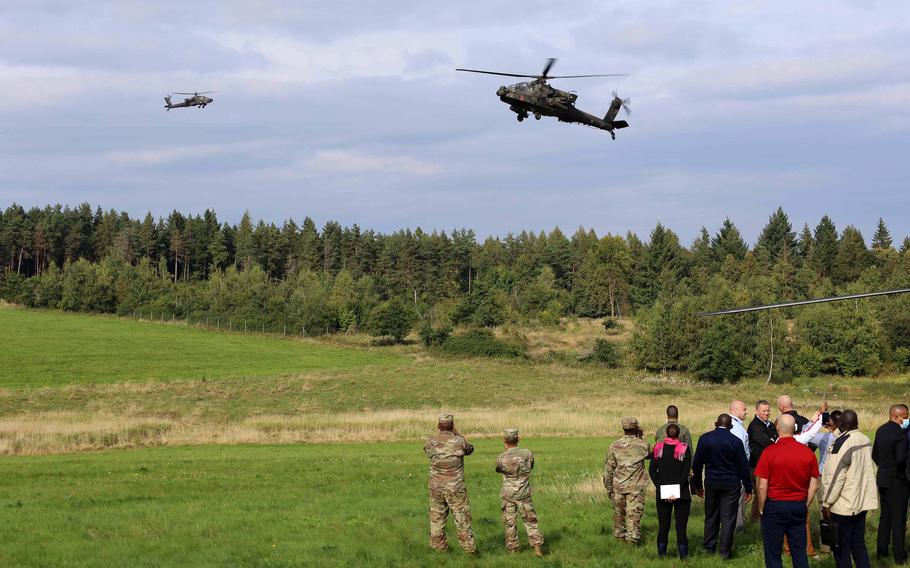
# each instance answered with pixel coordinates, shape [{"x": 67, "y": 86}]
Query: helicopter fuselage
[
  {"x": 194, "y": 101},
  {"x": 540, "y": 99}
]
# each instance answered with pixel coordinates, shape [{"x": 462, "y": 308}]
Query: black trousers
[
  {"x": 892, "y": 520},
  {"x": 781, "y": 518},
  {"x": 664, "y": 510},
  {"x": 851, "y": 532},
  {"x": 721, "y": 506}
]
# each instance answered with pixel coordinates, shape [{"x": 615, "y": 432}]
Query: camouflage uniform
[
  {"x": 515, "y": 465},
  {"x": 626, "y": 478},
  {"x": 446, "y": 451}
]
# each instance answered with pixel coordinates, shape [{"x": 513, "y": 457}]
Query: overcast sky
[{"x": 352, "y": 110}]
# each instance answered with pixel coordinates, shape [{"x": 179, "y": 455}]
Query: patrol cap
[
  {"x": 629, "y": 422},
  {"x": 510, "y": 433},
  {"x": 446, "y": 417}
]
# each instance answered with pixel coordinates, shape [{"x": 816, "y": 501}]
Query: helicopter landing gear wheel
[
  {"x": 612, "y": 135},
  {"x": 537, "y": 115},
  {"x": 520, "y": 117}
]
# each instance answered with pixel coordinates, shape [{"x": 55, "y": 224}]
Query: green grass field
[
  {"x": 48, "y": 348},
  {"x": 304, "y": 505},
  {"x": 217, "y": 462}
]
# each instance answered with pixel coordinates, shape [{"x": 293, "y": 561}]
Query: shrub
[
  {"x": 807, "y": 362},
  {"x": 715, "y": 358},
  {"x": 480, "y": 343},
  {"x": 610, "y": 323},
  {"x": 393, "y": 318},
  {"x": 605, "y": 353},
  {"x": 434, "y": 336},
  {"x": 902, "y": 357}
]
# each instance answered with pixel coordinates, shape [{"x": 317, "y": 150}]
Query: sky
[{"x": 352, "y": 111}]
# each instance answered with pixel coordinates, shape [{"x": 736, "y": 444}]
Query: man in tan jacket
[{"x": 850, "y": 490}]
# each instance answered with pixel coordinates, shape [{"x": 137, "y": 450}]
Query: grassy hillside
[
  {"x": 49, "y": 348},
  {"x": 314, "y": 505},
  {"x": 91, "y": 382}
]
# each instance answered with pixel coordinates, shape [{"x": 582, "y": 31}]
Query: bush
[
  {"x": 715, "y": 358},
  {"x": 393, "y": 318},
  {"x": 434, "y": 336},
  {"x": 480, "y": 343},
  {"x": 807, "y": 362},
  {"x": 610, "y": 323},
  {"x": 902, "y": 357},
  {"x": 605, "y": 353}
]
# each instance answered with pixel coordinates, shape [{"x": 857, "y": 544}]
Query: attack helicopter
[
  {"x": 196, "y": 100},
  {"x": 537, "y": 97}
]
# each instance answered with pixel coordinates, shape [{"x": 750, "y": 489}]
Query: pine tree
[
  {"x": 806, "y": 244},
  {"x": 882, "y": 238},
  {"x": 778, "y": 238},
  {"x": 852, "y": 256},
  {"x": 728, "y": 241},
  {"x": 243, "y": 240},
  {"x": 702, "y": 255},
  {"x": 826, "y": 244}
]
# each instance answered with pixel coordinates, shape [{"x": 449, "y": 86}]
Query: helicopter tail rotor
[{"x": 625, "y": 103}]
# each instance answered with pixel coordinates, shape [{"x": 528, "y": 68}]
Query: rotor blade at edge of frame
[
  {"x": 804, "y": 302},
  {"x": 496, "y": 73},
  {"x": 583, "y": 76},
  {"x": 548, "y": 66}
]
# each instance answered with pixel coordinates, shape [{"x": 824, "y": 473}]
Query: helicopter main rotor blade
[
  {"x": 581, "y": 76},
  {"x": 548, "y": 66},
  {"x": 199, "y": 93},
  {"x": 497, "y": 73}
]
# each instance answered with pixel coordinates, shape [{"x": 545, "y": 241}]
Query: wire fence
[{"x": 229, "y": 324}]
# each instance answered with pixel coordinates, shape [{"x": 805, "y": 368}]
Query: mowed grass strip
[
  {"x": 308, "y": 505},
  {"x": 48, "y": 348}
]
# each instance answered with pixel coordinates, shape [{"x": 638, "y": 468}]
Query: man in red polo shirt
[{"x": 787, "y": 474}]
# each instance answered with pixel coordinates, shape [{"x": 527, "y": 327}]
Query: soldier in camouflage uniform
[
  {"x": 446, "y": 451},
  {"x": 626, "y": 478},
  {"x": 515, "y": 465}
]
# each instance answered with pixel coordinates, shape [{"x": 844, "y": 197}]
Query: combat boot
[
  {"x": 538, "y": 551},
  {"x": 662, "y": 549}
]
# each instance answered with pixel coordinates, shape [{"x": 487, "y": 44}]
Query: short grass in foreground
[
  {"x": 307, "y": 505},
  {"x": 49, "y": 348}
]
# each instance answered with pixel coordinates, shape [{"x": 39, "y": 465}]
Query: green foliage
[
  {"x": 481, "y": 343},
  {"x": 902, "y": 357},
  {"x": 847, "y": 337},
  {"x": 604, "y": 353},
  {"x": 716, "y": 357},
  {"x": 393, "y": 318},
  {"x": 434, "y": 336},
  {"x": 807, "y": 362}
]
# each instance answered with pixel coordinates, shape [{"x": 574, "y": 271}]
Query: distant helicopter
[
  {"x": 196, "y": 100},
  {"x": 537, "y": 97}
]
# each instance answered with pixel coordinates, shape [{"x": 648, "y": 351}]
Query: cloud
[{"x": 354, "y": 162}]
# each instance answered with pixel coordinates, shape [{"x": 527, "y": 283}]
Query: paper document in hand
[{"x": 670, "y": 491}]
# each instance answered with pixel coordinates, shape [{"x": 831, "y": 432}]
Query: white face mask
[{"x": 906, "y": 423}]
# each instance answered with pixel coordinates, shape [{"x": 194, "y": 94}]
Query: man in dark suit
[
  {"x": 762, "y": 434},
  {"x": 889, "y": 452},
  {"x": 723, "y": 457}
]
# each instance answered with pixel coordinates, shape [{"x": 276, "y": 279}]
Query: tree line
[{"x": 335, "y": 278}]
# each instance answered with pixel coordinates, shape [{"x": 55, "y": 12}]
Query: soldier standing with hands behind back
[
  {"x": 626, "y": 479},
  {"x": 446, "y": 451},
  {"x": 515, "y": 465}
]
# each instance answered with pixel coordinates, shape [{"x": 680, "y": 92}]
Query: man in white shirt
[{"x": 738, "y": 413}]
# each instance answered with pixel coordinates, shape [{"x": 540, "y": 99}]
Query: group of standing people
[{"x": 772, "y": 465}]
